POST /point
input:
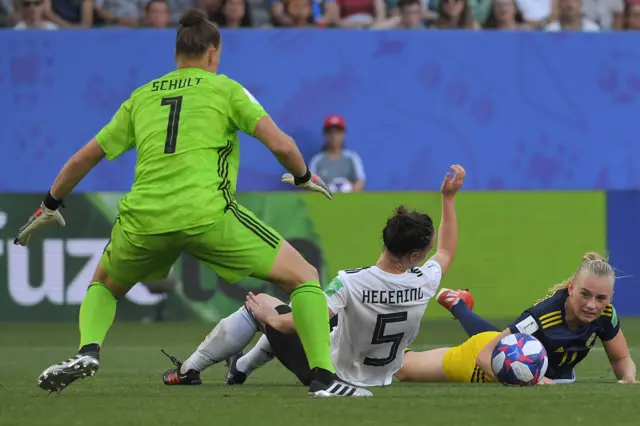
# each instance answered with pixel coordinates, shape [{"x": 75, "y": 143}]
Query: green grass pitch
[{"x": 128, "y": 389}]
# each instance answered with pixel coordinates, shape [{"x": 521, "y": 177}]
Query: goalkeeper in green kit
[{"x": 184, "y": 127}]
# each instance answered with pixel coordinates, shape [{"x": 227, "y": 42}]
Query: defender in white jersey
[
  {"x": 378, "y": 309},
  {"x": 379, "y": 315}
]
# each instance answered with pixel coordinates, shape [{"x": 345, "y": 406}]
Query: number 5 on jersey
[
  {"x": 380, "y": 338},
  {"x": 175, "y": 105}
]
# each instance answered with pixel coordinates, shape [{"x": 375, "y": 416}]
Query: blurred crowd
[{"x": 547, "y": 15}]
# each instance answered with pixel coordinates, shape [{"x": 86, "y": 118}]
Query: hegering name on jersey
[
  {"x": 392, "y": 297},
  {"x": 173, "y": 84}
]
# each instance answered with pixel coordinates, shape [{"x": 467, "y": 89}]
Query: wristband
[
  {"x": 50, "y": 202},
  {"x": 304, "y": 179}
]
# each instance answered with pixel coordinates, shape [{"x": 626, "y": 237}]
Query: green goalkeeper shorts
[{"x": 234, "y": 247}]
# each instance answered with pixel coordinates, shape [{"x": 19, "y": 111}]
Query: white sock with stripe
[
  {"x": 258, "y": 356},
  {"x": 230, "y": 336}
]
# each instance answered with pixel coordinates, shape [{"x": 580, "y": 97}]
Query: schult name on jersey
[
  {"x": 173, "y": 84},
  {"x": 392, "y": 297}
]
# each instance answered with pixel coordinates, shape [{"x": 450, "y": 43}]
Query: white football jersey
[{"x": 379, "y": 315}]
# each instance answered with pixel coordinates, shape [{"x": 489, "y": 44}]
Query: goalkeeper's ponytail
[{"x": 196, "y": 34}]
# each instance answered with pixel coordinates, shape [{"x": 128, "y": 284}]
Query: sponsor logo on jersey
[
  {"x": 591, "y": 340},
  {"x": 614, "y": 317}
]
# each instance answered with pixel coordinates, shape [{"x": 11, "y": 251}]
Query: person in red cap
[{"x": 340, "y": 168}]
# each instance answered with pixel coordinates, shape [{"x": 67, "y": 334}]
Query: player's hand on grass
[
  {"x": 314, "y": 183},
  {"x": 546, "y": 381},
  {"x": 451, "y": 185},
  {"x": 42, "y": 217},
  {"x": 261, "y": 312}
]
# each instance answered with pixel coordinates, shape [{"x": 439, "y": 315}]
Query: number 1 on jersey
[{"x": 175, "y": 105}]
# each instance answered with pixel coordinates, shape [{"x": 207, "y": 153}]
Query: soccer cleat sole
[
  {"x": 324, "y": 394},
  {"x": 57, "y": 381}
]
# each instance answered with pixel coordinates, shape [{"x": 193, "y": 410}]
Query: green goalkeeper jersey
[{"x": 184, "y": 127}]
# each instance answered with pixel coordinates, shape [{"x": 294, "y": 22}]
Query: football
[{"x": 519, "y": 360}]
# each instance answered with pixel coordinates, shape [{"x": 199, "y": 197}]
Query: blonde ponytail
[{"x": 592, "y": 263}]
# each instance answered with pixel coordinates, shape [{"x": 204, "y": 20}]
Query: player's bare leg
[
  {"x": 423, "y": 367},
  {"x": 296, "y": 276},
  {"x": 97, "y": 313}
]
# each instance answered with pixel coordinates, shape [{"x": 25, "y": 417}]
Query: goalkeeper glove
[
  {"x": 47, "y": 214},
  {"x": 310, "y": 182}
]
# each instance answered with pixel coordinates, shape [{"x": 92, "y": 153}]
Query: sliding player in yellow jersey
[
  {"x": 184, "y": 127},
  {"x": 567, "y": 322}
]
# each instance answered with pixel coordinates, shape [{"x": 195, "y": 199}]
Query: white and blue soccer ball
[{"x": 519, "y": 360}]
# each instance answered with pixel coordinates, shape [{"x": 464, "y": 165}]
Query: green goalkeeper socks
[
  {"x": 311, "y": 317},
  {"x": 97, "y": 313}
]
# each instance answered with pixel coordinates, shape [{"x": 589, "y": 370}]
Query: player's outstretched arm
[
  {"x": 286, "y": 151},
  {"x": 620, "y": 359},
  {"x": 448, "y": 231},
  {"x": 81, "y": 163},
  {"x": 71, "y": 174},
  {"x": 281, "y": 145}
]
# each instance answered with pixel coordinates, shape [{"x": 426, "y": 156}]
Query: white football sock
[
  {"x": 258, "y": 356},
  {"x": 229, "y": 337}
]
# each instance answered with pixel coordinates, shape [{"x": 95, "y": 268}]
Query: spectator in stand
[
  {"x": 156, "y": 14},
  {"x": 213, "y": 9},
  {"x": 632, "y": 15},
  {"x": 9, "y": 16},
  {"x": 301, "y": 13},
  {"x": 123, "y": 13},
  {"x": 536, "y": 13},
  {"x": 340, "y": 168},
  {"x": 69, "y": 13},
  {"x": 322, "y": 13},
  {"x": 505, "y": 15},
  {"x": 358, "y": 13},
  {"x": 480, "y": 9},
  {"x": 410, "y": 16},
  {"x": 455, "y": 14},
  {"x": 176, "y": 7},
  {"x": 608, "y": 14},
  {"x": 32, "y": 14},
  {"x": 234, "y": 14},
  {"x": 393, "y": 8},
  {"x": 570, "y": 18}
]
